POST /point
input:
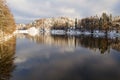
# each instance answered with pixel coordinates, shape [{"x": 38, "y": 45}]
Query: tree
[
  {"x": 76, "y": 23},
  {"x": 106, "y": 20},
  {"x": 7, "y": 22}
]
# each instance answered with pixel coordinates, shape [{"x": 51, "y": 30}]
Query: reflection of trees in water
[
  {"x": 103, "y": 44},
  {"x": 7, "y": 51},
  {"x": 116, "y": 46}
]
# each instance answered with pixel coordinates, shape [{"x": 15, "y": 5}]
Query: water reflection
[
  {"x": 51, "y": 57},
  {"x": 7, "y": 52},
  {"x": 63, "y": 57},
  {"x": 102, "y": 44}
]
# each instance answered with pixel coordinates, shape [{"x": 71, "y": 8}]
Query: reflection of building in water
[
  {"x": 101, "y": 44},
  {"x": 7, "y": 51}
]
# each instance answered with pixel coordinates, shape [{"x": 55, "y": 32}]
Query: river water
[{"x": 62, "y": 57}]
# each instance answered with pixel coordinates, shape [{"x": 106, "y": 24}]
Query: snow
[
  {"x": 21, "y": 31},
  {"x": 78, "y": 32},
  {"x": 33, "y": 31},
  {"x": 87, "y": 33},
  {"x": 71, "y": 32},
  {"x": 100, "y": 34},
  {"x": 96, "y": 31},
  {"x": 58, "y": 32},
  {"x": 6, "y": 37}
]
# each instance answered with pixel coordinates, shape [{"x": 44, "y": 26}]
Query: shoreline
[
  {"x": 6, "y": 37},
  {"x": 69, "y": 32}
]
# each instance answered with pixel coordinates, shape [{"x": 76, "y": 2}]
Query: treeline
[
  {"x": 7, "y": 23},
  {"x": 96, "y": 23},
  {"x": 103, "y": 23}
]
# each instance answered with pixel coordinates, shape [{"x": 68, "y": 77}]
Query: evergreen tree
[{"x": 76, "y": 23}]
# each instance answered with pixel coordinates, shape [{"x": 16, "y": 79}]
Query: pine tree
[{"x": 75, "y": 23}]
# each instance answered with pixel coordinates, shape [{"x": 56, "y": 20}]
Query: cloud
[
  {"x": 53, "y": 8},
  {"x": 116, "y": 9},
  {"x": 78, "y": 63}
]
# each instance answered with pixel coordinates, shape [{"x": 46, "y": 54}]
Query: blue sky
[{"x": 25, "y": 11}]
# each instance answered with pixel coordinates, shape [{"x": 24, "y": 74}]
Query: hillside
[
  {"x": 49, "y": 23},
  {"x": 104, "y": 23}
]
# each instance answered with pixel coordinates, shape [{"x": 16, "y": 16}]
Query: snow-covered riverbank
[
  {"x": 6, "y": 37},
  {"x": 96, "y": 33}
]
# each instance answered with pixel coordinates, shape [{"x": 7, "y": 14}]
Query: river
[{"x": 60, "y": 57}]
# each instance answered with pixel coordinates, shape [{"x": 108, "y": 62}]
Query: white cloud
[
  {"x": 19, "y": 60},
  {"x": 49, "y": 8}
]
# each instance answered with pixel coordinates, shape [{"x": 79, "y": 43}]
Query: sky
[{"x": 25, "y": 11}]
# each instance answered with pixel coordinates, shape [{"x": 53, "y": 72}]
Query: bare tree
[{"x": 7, "y": 23}]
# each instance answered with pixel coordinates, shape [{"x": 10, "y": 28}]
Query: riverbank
[
  {"x": 35, "y": 31},
  {"x": 5, "y": 37}
]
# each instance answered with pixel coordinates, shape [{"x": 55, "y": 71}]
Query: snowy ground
[
  {"x": 33, "y": 31},
  {"x": 58, "y": 32},
  {"x": 6, "y": 37}
]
